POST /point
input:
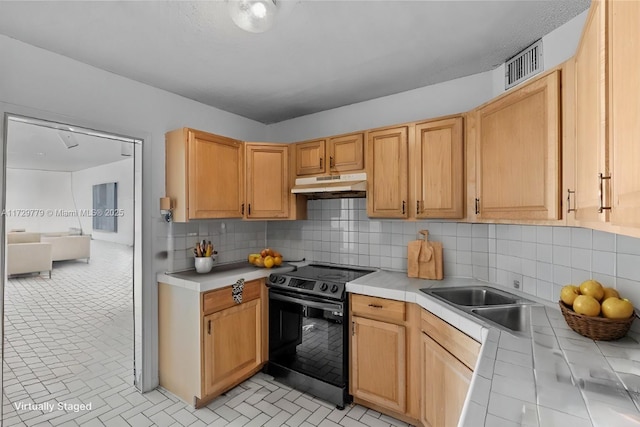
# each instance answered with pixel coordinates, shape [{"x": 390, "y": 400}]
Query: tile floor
[{"x": 68, "y": 341}]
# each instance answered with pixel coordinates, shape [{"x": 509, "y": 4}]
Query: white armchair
[{"x": 25, "y": 258}]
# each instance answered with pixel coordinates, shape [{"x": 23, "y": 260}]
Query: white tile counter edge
[{"x": 223, "y": 275}]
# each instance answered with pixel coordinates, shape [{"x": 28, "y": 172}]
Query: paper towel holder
[{"x": 166, "y": 208}]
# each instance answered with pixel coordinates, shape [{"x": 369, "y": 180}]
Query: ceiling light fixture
[
  {"x": 68, "y": 139},
  {"x": 255, "y": 16}
]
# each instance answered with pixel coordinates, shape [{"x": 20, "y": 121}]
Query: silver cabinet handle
[
  {"x": 569, "y": 193},
  {"x": 326, "y": 306},
  {"x": 601, "y": 179}
]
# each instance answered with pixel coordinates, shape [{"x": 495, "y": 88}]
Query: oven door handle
[{"x": 313, "y": 304}]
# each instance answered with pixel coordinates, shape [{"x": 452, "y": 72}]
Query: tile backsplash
[
  {"x": 234, "y": 239},
  {"x": 540, "y": 258}
]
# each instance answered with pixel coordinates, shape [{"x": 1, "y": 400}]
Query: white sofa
[
  {"x": 22, "y": 237},
  {"x": 26, "y": 254},
  {"x": 66, "y": 247}
]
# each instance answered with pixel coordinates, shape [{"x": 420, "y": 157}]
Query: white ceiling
[
  {"x": 319, "y": 54},
  {"x": 37, "y": 147}
]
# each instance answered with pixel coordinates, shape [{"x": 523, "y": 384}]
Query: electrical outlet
[{"x": 515, "y": 279}]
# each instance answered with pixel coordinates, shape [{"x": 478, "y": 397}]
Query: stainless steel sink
[
  {"x": 514, "y": 317},
  {"x": 473, "y": 296},
  {"x": 503, "y": 309}
]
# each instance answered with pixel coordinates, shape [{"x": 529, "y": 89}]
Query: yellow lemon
[
  {"x": 587, "y": 305},
  {"x": 569, "y": 293},
  {"x": 616, "y": 308},
  {"x": 592, "y": 288},
  {"x": 610, "y": 292},
  {"x": 269, "y": 262}
]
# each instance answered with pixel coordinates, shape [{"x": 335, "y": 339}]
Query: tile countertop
[
  {"x": 222, "y": 275},
  {"x": 556, "y": 377}
]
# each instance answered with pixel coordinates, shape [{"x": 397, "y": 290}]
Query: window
[{"x": 105, "y": 206}]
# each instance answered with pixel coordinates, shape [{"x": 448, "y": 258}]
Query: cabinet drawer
[
  {"x": 377, "y": 308},
  {"x": 220, "y": 299},
  {"x": 457, "y": 343}
]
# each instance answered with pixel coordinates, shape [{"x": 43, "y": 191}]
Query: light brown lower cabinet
[
  {"x": 379, "y": 363},
  {"x": 445, "y": 383},
  {"x": 448, "y": 357},
  {"x": 231, "y": 346},
  {"x": 207, "y": 342},
  {"x": 385, "y": 355},
  {"x": 408, "y": 363}
]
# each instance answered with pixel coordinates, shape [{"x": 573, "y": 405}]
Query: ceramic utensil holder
[{"x": 203, "y": 264}]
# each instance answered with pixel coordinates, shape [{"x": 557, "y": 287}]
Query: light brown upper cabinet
[
  {"x": 204, "y": 175},
  {"x": 591, "y": 148},
  {"x": 624, "y": 98},
  {"x": 268, "y": 194},
  {"x": 607, "y": 153},
  {"x": 346, "y": 153},
  {"x": 439, "y": 168},
  {"x": 333, "y": 155},
  {"x": 518, "y": 144},
  {"x": 387, "y": 173},
  {"x": 310, "y": 157}
]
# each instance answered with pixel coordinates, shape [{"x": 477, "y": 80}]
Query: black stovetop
[{"x": 329, "y": 273}]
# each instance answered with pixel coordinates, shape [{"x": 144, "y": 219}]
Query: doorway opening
[{"x": 72, "y": 278}]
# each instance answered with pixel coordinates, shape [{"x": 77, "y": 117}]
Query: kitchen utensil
[{"x": 424, "y": 258}]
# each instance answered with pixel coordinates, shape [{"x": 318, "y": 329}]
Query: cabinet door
[
  {"x": 310, "y": 158},
  {"x": 591, "y": 139},
  {"x": 231, "y": 347},
  {"x": 445, "y": 382},
  {"x": 267, "y": 181},
  {"x": 439, "y": 165},
  {"x": 378, "y": 363},
  {"x": 387, "y": 173},
  {"x": 216, "y": 176},
  {"x": 519, "y": 153},
  {"x": 624, "y": 83},
  {"x": 346, "y": 153}
]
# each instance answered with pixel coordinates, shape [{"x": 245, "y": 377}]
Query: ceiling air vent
[{"x": 524, "y": 65}]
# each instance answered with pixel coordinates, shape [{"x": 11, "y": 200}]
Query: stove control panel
[
  {"x": 274, "y": 278},
  {"x": 309, "y": 286}
]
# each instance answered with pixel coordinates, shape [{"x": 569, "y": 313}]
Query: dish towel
[{"x": 236, "y": 291}]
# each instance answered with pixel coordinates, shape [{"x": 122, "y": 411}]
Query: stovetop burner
[
  {"x": 329, "y": 272},
  {"x": 318, "y": 279}
]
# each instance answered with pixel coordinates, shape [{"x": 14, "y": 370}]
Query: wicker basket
[{"x": 596, "y": 328}]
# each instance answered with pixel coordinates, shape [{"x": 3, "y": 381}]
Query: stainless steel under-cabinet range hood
[{"x": 332, "y": 187}]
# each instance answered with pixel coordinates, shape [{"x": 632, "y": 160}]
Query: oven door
[{"x": 306, "y": 335}]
